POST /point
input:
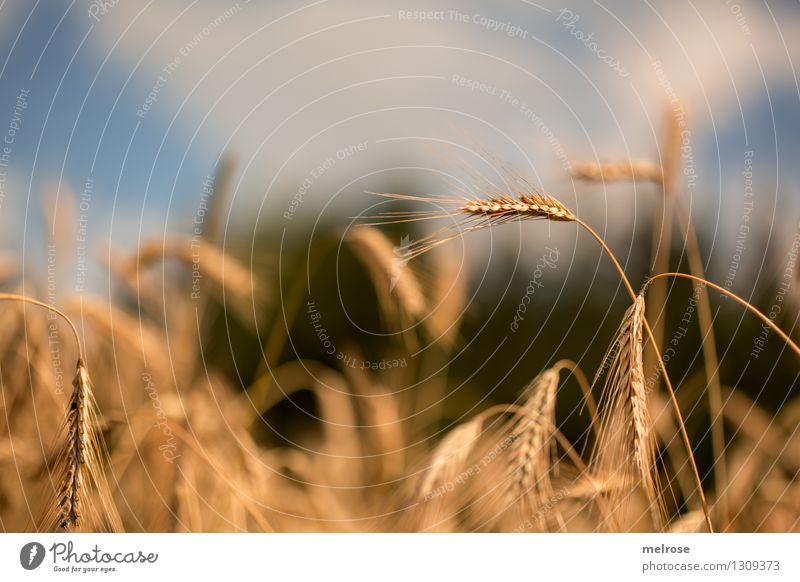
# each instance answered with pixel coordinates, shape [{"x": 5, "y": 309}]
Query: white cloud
[{"x": 286, "y": 86}]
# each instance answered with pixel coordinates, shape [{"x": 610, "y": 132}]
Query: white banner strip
[{"x": 400, "y": 557}]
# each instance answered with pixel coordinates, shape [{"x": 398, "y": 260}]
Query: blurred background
[{"x": 265, "y": 125}]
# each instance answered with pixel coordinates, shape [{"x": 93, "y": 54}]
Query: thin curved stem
[
  {"x": 583, "y": 382},
  {"x": 739, "y": 300},
  {"x": 64, "y": 316},
  {"x": 667, "y": 383},
  {"x": 710, "y": 358},
  {"x": 610, "y": 255}
]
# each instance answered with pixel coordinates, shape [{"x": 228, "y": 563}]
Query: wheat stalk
[
  {"x": 498, "y": 208},
  {"x": 448, "y": 298},
  {"x": 690, "y": 522},
  {"x": 225, "y": 271},
  {"x": 133, "y": 335},
  {"x": 668, "y": 204},
  {"x": 381, "y": 412},
  {"x": 746, "y": 304}
]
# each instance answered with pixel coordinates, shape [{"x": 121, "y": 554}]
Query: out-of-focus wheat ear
[
  {"x": 531, "y": 452},
  {"x": 396, "y": 285},
  {"x": 83, "y": 499},
  {"x": 633, "y": 170},
  {"x": 448, "y": 458},
  {"x": 231, "y": 279},
  {"x": 380, "y": 409},
  {"x": 626, "y": 446},
  {"x": 448, "y": 296}
]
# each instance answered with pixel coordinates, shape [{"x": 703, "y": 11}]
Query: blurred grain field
[{"x": 359, "y": 382}]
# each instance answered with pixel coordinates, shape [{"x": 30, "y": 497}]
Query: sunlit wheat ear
[
  {"x": 469, "y": 213},
  {"x": 531, "y": 451},
  {"x": 83, "y": 496},
  {"x": 501, "y": 207},
  {"x": 633, "y": 170},
  {"x": 626, "y": 446}
]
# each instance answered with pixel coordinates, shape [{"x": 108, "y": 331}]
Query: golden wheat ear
[
  {"x": 626, "y": 447},
  {"x": 499, "y": 208},
  {"x": 82, "y": 496},
  {"x": 469, "y": 213},
  {"x": 77, "y": 487}
]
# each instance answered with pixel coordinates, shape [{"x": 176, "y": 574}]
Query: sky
[{"x": 121, "y": 110}]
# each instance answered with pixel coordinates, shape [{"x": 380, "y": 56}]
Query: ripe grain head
[
  {"x": 626, "y": 446},
  {"x": 83, "y": 499}
]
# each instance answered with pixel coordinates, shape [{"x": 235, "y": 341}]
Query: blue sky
[{"x": 285, "y": 85}]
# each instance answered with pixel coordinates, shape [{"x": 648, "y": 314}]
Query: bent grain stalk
[
  {"x": 526, "y": 204},
  {"x": 671, "y": 204}
]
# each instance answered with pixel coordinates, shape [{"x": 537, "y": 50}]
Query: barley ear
[
  {"x": 501, "y": 207},
  {"x": 626, "y": 447},
  {"x": 83, "y": 498}
]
